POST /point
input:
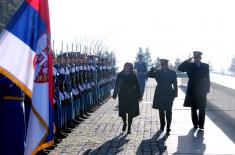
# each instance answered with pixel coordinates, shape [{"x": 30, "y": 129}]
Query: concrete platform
[{"x": 101, "y": 133}]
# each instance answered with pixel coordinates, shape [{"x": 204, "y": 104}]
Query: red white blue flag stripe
[{"x": 26, "y": 59}]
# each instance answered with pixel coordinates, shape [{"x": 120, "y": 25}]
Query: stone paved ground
[{"x": 101, "y": 133}]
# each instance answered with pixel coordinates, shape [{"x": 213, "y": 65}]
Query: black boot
[
  {"x": 130, "y": 119},
  {"x": 129, "y": 129},
  {"x": 124, "y": 127},
  {"x": 168, "y": 130}
]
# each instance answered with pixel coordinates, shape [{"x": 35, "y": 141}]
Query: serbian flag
[{"x": 26, "y": 59}]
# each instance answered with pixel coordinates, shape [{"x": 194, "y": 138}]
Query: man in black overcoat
[
  {"x": 198, "y": 87},
  {"x": 165, "y": 92}
]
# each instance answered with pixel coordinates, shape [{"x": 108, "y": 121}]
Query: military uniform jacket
[
  {"x": 128, "y": 90},
  {"x": 141, "y": 68},
  {"x": 198, "y": 84},
  {"x": 164, "y": 93}
]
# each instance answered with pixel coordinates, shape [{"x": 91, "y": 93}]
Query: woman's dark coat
[
  {"x": 128, "y": 90},
  {"x": 164, "y": 93},
  {"x": 198, "y": 84}
]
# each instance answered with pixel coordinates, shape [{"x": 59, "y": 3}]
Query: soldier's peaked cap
[
  {"x": 197, "y": 53},
  {"x": 164, "y": 61}
]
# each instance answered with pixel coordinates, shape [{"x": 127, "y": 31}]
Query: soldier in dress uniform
[
  {"x": 141, "y": 69},
  {"x": 68, "y": 92},
  {"x": 12, "y": 130},
  {"x": 57, "y": 102},
  {"x": 92, "y": 80},
  {"x": 75, "y": 92},
  {"x": 165, "y": 92},
  {"x": 198, "y": 87},
  {"x": 63, "y": 95},
  {"x": 99, "y": 80},
  {"x": 82, "y": 87}
]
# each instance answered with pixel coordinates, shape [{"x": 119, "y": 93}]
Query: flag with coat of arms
[{"x": 26, "y": 59}]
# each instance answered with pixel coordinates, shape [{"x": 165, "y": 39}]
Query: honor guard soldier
[
  {"x": 165, "y": 92},
  {"x": 92, "y": 80},
  {"x": 57, "y": 102},
  {"x": 198, "y": 87},
  {"x": 75, "y": 91},
  {"x": 12, "y": 130},
  {"x": 141, "y": 69},
  {"x": 82, "y": 87},
  {"x": 63, "y": 95},
  {"x": 68, "y": 93}
]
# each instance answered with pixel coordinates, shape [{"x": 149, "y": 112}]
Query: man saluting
[
  {"x": 198, "y": 87},
  {"x": 165, "y": 92}
]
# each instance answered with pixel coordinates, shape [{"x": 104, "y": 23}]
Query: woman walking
[{"x": 128, "y": 91}]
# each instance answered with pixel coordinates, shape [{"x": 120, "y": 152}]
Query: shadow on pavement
[
  {"x": 112, "y": 146},
  {"x": 155, "y": 145},
  {"x": 192, "y": 143},
  {"x": 220, "y": 118}
]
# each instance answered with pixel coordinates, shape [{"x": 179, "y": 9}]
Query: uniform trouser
[
  {"x": 93, "y": 97},
  {"x": 69, "y": 111},
  {"x": 130, "y": 119},
  {"x": 198, "y": 118},
  {"x": 102, "y": 93},
  {"x": 77, "y": 107},
  {"x": 106, "y": 90},
  {"x": 97, "y": 94},
  {"x": 63, "y": 111},
  {"x": 168, "y": 114},
  {"x": 89, "y": 100},
  {"x": 12, "y": 131},
  {"x": 142, "y": 83},
  {"x": 58, "y": 115},
  {"x": 82, "y": 101},
  {"x": 86, "y": 101}
]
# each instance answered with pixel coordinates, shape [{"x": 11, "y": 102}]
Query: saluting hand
[
  {"x": 190, "y": 59},
  {"x": 156, "y": 67}
]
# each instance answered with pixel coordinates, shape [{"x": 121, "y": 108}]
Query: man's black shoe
[
  {"x": 83, "y": 117},
  {"x": 161, "y": 128},
  {"x": 67, "y": 130},
  {"x": 168, "y": 131},
  {"x": 71, "y": 125},
  {"x": 57, "y": 140},
  {"x": 60, "y": 135},
  {"x": 201, "y": 127},
  {"x": 87, "y": 114},
  {"x": 76, "y": 122}
]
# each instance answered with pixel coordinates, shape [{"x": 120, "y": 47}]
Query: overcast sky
[{"x": 170, "y": 28}]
